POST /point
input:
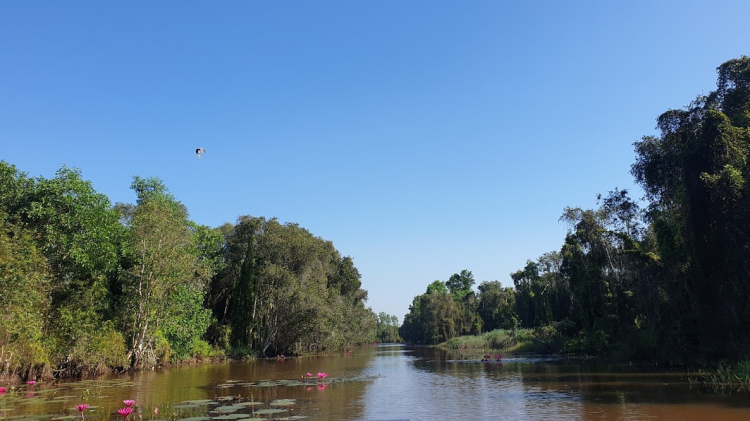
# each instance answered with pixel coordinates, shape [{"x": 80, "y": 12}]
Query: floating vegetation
[
  {"x": 231, "y": 417},
  {"x": 195, "y": 419},
  {"x": 200, "y": 402},
  {"x": 283, "y": 402},
  {"x": 227, "y": 409},
  {"x": 270, "y": 411},
  {"x": 308, "y": 382}
]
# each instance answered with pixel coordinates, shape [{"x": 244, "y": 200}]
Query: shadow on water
[{"x": 384, "y": 382}]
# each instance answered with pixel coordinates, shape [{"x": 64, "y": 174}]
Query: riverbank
[
  {"x": 717, "y": 376},
  {"x": 544, "y": 340}
]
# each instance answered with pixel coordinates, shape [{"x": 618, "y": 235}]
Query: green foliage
[
  {"x": 388, "y": 328},
  {"x": 96, "y": 352},
  {"x": 186, "y": 322},
  {"x": 283, "y": 290},
  {"x": 24, "y": 298},
  {"x": 88, "y": 286},
  {"x": 694, "y": 174}
]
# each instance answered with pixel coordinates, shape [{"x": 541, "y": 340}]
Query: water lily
[
  {"x": 156, "y": 410},
  {"x": 322, "y": 376},
  {"x": 322, "y": 386},
  {"x": 82, "y": 408},
  {"x": 3, "y": 390},
  {"x": 309, "y": 375},
  {"x": 128, "y": 402},
  {"x": 125, "y": 411},
  {"x": 31, "y": 382}
]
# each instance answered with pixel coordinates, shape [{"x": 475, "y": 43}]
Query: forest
[
  {"x": 665, "y": 278},
  {"x": 87, "y": 286}
]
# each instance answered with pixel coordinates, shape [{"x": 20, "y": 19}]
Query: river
[{"x": 384, "y": 382}]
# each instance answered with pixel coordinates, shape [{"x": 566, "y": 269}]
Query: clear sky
[{"x": 420, "y": 137}]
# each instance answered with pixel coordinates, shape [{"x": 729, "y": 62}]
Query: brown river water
[{"x": 383, "y": 382}]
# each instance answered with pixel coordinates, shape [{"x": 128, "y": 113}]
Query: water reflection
[{"x": 413, "y": 383}]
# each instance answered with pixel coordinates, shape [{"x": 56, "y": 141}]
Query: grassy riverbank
[{"x": 543, "y": 340}]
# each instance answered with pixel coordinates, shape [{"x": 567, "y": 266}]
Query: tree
[
  {"x": 459, "y": 284},
  {"x": 388, "y": 328},
  {"x": 496, "y": 306},
  {"x": 162, "y": 265},
  {"x": 695, "y": 176},
  {"x": 24, "y": 298}
]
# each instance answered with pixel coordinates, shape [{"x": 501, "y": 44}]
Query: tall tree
[
  {"x": 163, "y": 265},
  {"x": 695, "y": 176}
]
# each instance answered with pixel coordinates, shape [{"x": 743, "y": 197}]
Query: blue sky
[{"x": 420, "y": 137}]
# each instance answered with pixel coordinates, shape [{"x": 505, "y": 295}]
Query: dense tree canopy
[
  {"x": 668, "y": 282},
  {"x": 88, "y": 286}
]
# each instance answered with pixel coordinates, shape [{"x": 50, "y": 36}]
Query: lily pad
[
  {"x": 283, "y": 402},
  {"x": 249, "y": 404},
  {"x": 202, "y": 402},
  {"x": 265, "y": 384},
  {"x": 195, "y": 419},
  {"x": 269, "y": 411}
]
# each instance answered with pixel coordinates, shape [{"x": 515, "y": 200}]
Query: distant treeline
[
  {"x": 87, "y": 286},
  {"x": 666, "y": 281}
]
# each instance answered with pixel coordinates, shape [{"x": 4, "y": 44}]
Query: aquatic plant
[
  {"x": 82, "y": 408},
  {"x": 727, "y": 377},
  {"x": 31, "y": 382},
  {"x": 125, "y": 411},
  {"x": 128, "y": 402},
  {"x": 322, "y": 376},
  {"x": 3, "y": 390}
]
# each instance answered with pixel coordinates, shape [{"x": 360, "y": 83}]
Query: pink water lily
[
  {"x": 31, "y": 382},
  {"x": 322, "y": 376},
  {"x": 125, "y": 411},
  {"x": 128, "y": 402},
  {"x": 3, "y": 390},
  {"x": 82, "y": 408},
  {"x": 309, "y": 374}
]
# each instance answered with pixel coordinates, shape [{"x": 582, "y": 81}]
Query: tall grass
[
  {"x": 725, "y": 378},
  {"x": 518, "y": 340}
]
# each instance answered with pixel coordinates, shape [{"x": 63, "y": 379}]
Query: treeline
[
  {"x": 666, "y": 281},
  {"x": 87, "y": 286}
]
